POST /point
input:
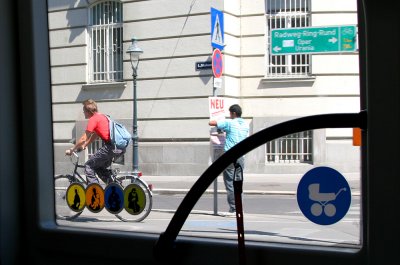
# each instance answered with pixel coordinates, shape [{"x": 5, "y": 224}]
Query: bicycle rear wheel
[
  {"x": 62, "y": 185},
  {"x": 138, "y": 199}
]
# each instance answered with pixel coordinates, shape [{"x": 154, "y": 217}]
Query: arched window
[{"x": 105, "y": 35}]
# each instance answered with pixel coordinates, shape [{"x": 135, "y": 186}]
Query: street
[
  {"x": 267, "y": 218},
  {"x": 252, "y": 203}
]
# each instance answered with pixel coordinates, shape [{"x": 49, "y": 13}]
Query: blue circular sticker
[
  {"x": 114, "y": 198},
  {"x": 323, "y": 195}
]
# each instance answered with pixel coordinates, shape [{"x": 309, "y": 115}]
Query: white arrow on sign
[
  {"x": 277, "y": 49},
  {"x": 333, "y": 40}
]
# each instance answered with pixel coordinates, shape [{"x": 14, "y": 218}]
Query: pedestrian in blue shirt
[{"x": 236, "y": 130}]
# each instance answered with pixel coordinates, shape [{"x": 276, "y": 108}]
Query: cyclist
[{"x": 97, "y": 126}]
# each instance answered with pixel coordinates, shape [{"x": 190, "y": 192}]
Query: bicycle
[{"x": 124, "y": 180}]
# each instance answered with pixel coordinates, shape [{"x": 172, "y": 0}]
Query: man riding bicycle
[{"x": 98, "y": 126}]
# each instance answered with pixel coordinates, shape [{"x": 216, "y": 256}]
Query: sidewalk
[{"x": 252, "y": 183}]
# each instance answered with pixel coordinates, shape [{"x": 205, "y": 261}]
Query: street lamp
[{"x": 134, "y": 53}]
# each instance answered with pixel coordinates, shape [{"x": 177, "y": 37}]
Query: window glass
[
  {"x": 167, "y": 99},
  {"x": 287, "y": 14},
  {"x": 105, "y": 33}
]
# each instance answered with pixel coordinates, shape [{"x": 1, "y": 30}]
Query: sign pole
[
  {"x": 215, "y": 184},
  {"x": 217, "y": 42}
]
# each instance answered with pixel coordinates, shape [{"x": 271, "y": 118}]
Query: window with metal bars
[
  {"x": 96, "y": 145},
  {"x": 105, "y": 35},
  {"x": 293, "y": 148},
  {"x": 287, "y": 14}
]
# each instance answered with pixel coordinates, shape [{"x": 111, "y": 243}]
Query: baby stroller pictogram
[{"x": 322, "y": 200}]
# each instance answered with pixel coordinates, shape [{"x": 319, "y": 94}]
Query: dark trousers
[
  {"x": 99, "y": 163},
  {"x": 228, "y": 181}
]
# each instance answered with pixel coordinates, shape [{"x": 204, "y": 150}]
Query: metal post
[
  {"x": 134, "y": 52},
  {"x": 215, "y": 193},
  {"x": 135, "y": 126},
  {"x": 213, "y": 154}
]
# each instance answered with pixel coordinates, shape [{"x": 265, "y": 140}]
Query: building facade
[{"x": 88, "y": 43}]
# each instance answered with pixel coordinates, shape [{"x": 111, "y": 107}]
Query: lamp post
[{"x": 134, "y": 52}]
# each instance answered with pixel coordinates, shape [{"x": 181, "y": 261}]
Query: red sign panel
[
  {"x": 217, "y": 108},
  {"x": 217, "y": 65}
]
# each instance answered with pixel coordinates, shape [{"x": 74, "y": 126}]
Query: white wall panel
[
  {"x": 331, "y": 64},
  {"x": 68, "y": 112},
  {"x": 165, "y": 129},
  {"x": 183, "y": 46},
  {"x": 67, "y": 37},
  {"x": 265, "y": 107},
  {"x": 171, "y": 27},
  {"x": 231, "y": 24},
  {"x": 68, "y": 18},
  {"x": 252, "y": 66},
  {"x": 157, "y": 88},
  {"x": 172, "y": 129},
  {"x": 333, "y": 6},
  {"x": 253, "y": 25},
  {"x": 105, "y": 91},
  {"x": 158, "y": 9},
  {"x": 68, "y": 74},
  {"x": 146, "y": 129},
  {"x": 64, "y": 131},
  {"x": 232, "y": 6},
  {"x": 65, "y": 93},
  {"x": 339, "y": 132},
  {"x": 233, "y": 45},
  {"x": 334, "y": 19},
  {"x": 253, "y": 45},
  {"x": 64, "y": 4},
  {"x": 147, "y": 109},
  {"x": 174, "y": 87},
  {"x": 161, "y": 68},
  {"x": 173, "y": 108},
  {"x": 231, "y": 65},
  {"x": 231, "y": 87},
  {"x": 252, "y": 7},
  {"x": 252, "y": 87},
  {"x": 73, "y": 55},
  {"x": 323, "y": 85},
  {"x": 334, "y": 85}
]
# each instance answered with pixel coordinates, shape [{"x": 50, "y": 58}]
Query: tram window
[
  {"x": 52, "y": 70},
  {"x": 174, "y": 137}
]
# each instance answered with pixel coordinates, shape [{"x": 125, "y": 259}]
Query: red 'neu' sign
[{"x": 217, "y": 108}]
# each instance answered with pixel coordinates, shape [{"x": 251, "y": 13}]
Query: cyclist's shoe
[{"x": 105, "y": 176}]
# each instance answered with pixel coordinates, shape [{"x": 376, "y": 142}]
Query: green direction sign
[{"x": 313, "y": 40}]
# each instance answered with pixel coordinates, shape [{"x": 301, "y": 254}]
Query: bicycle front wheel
[
  {"x": 64, "y": 188},
  {"x": 138, "y": 199}
]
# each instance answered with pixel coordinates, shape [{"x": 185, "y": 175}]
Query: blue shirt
[{"x": 236, "y": 130}]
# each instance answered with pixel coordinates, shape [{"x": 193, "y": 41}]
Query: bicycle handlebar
[{"x": 74, "y": 153}]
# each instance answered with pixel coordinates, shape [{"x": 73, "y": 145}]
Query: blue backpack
[{"x": 119, "y": 135}]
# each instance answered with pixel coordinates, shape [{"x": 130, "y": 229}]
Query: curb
[
  {"x": 249, "y": 192},
  {"x": 210, "y": 191}
]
